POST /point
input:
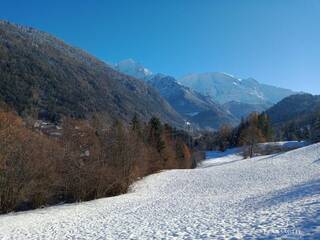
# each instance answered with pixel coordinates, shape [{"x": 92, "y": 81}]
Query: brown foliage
[
  {"x": 87, "y": 162},
  {"x": 251, "y": 135},
  {"x": 27, "y": 171}
]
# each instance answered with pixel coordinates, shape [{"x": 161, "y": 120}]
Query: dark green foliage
[
  {"x": 137, "y": 128},
  {"x": 135, "y": 124},
  {"x": 293, "y": 107},
  {"x": 265, "y": 126},
  {"x": 155, "y": 129},
  {"x": 315, "y": 130}
]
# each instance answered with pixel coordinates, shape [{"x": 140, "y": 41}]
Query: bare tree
[{"x": 251, "y": 135}]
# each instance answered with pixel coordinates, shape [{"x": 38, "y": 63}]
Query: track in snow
[{"x": 265, "y": 197}]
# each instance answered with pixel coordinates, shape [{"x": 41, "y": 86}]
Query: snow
[
  {"x": 192, "y": 114},
  {"x": 133, "y": 68},
  {"x": 229, "y": 75},
  {"x": 275, "y": 196},
  {"x": 287, "y": 144}
]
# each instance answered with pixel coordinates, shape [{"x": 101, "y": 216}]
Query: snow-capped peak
[
  {"x": 133, "y": 68},
  {"x": 230, "y": 75}
]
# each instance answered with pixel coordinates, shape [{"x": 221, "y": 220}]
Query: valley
[
  {"x": 265, "y": 197},
  {"x": 159, "y": 120}
]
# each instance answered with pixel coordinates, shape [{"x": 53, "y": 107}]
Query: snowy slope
[
  {"x": 193, "y": 106},
  {"x": 225, "y": 88},
  {"x": 264, "y": 197}
]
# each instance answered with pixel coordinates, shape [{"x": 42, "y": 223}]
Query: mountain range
[
  {"x": 41, "y": 76},
  {"x": 225, "y": 88},
  {"x": 208, "y": 100}
]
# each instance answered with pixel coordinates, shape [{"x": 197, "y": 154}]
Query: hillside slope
[
  {"x": 265, "y": 197},
  {"x": 200, "y": 110},
  {"x": 41, "y": 74},
  {"x": 296, "y": 117},
  {"x": 242, "y": 110},
  {"x": 299, "y": 107}
]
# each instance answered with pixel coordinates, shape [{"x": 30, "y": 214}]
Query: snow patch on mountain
[{"x": 133, "y": 68}]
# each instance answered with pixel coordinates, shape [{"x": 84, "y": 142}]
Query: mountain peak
[{"x": 133, "y": 68}]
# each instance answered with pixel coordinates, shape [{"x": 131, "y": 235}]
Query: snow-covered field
[{"x": 261, "y": 198}]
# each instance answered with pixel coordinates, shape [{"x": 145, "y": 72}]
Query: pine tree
[
  {"x": 155, "y": 134},
  {"x": 136, "y": 125},
  {"x": 264, "y": 126},
  {"x": 290, "y": 132},
  {"x": 315, "y": 131}
]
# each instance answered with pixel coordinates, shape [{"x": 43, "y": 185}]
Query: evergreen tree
[
  {"x": 264, "y": 126},
  {"x": 315, "y": 131},
  {"x": 290, "y": 132},
  {"x": 155, "y": 134},
  {"x": 136, "y": 126}
]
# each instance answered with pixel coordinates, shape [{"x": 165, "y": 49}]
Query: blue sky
[{"x": 275, "y": 41}]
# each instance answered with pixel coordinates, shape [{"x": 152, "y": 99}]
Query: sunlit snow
[{"x": 276, "y": 196}]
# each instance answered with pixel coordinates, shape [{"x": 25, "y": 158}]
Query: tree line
[
  {"x": 251, "y": 131},
  {"x": 300, "y": 129},
  {"x": 257, "y": 128},
  {"x": 89, "y": 161}
]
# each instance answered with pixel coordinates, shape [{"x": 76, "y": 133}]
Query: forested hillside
[
  {"x": 295, "y": 117},
  {"x": 42, "y": 76}
]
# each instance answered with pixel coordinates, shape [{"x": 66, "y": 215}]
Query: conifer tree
[
  {"x": 136, "y": 125},
  {"x": 315, "y": 131},
  {"x": 155, "y": 134},
  {"x": 264, "y": 126}
]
